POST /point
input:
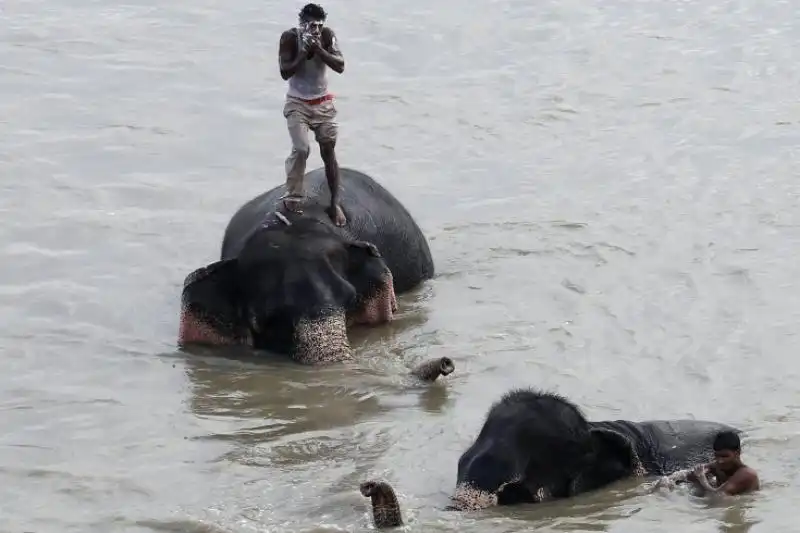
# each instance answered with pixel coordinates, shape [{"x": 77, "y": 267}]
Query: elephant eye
[
  {"x": 254, "y": 322},
  {"x": 336, "y": 255}
]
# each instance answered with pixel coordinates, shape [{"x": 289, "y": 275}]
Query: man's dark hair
[
  {"x": 313, "y": 12},
  {"x": 727, "y": 440}
]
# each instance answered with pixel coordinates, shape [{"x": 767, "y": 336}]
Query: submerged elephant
[
  {"x": 293, "y": 283},
  {"x": 537, "y": 446}
]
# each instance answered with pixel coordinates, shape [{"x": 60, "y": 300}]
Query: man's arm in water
[
  {"x": 686, "y": 475},
  {"x": 329, "y": 52},
  {"x": 289, "y": 56},
  {"x": 744, "y": 480},
  {"x": 691, "y": 474}
]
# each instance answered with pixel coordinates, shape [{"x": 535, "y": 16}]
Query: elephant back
[{"x": 374, "y": 215}]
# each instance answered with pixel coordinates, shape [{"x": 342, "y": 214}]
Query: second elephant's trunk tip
[
  {"x": 446, "y": 366},
  {"x": 431, "y": 370},
  {"x": 385, "y": 507}
]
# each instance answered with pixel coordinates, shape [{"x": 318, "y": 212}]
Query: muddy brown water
[{"x": 610, "y": 191}]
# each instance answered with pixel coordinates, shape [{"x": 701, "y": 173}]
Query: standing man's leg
[
  {"x": 297, "y": 122},
  {"x": 326, "y": 131}
]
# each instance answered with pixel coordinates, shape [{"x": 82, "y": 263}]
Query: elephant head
[
  {"x": 294, "y": 288},
  {"x": 536, "y": 446}
]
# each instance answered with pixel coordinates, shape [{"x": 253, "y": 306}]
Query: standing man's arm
[
  {"x": 289, "y": 57},
  {"x": 329, "y": 52}
]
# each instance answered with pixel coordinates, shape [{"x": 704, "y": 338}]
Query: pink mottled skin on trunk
[{"x": 378, "y": 309}]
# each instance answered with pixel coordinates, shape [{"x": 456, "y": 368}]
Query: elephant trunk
[
  {"x": 431, "y": 370},
  {"x": 322, "y": 340},
  {"x": 468, "y": 498},
  {"x": 385, "y": 507}
]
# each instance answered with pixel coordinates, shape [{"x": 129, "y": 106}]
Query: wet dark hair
[
  {"x": 313, "y": 12},
  {"x": 727, "y": 440}
]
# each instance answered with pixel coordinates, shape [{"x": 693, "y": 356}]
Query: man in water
[
  {"x": 304, "y": 55},
  {"x": 732, "y": 475}
]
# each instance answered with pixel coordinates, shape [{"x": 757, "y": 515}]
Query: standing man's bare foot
[
  {"x": 337, "y": 215},
  {"x": 293, "y": 204}
]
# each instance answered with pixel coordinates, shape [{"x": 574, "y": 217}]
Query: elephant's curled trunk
[
  {"x": 431, "y": 370},
  {"x": 385, "y": 507}
]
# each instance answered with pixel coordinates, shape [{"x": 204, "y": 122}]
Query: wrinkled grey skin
[
  {"x": 537, "y": 446},
  {"x": 295, "y": 283}
]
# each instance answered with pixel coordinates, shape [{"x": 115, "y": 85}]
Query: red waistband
[{"x": 316, "y": 101}]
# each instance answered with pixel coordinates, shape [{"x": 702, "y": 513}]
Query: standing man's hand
[
  {"x": 313, "y": 45},
  {"x": 302, "y": 45},
  {"x": 308, "y": 45}
]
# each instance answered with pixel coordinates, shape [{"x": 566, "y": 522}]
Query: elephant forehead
[{"x": 278, "y": 246}]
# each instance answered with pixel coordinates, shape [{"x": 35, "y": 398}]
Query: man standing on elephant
[{"x": 304, "y": 55}]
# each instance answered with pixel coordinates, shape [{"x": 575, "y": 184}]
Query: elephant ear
[
  {"x": 211, "y": 306},
  {"x": 613, "y": 457}
]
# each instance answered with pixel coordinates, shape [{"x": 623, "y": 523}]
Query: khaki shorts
[{"x": 301, "y": 117}]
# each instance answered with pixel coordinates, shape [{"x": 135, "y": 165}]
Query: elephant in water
[
  {"x": 537, "y": 446},
  {"x": 294, "y": 282}
]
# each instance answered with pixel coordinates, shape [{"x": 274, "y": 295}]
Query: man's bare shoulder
[
  {"x": 288, "y": 35},
  {"x": 751, "y": 475},
  {"x": 329, "y": 38},
  {"x": 287, "y": 47},
  {"x": 744, "y": 480}
]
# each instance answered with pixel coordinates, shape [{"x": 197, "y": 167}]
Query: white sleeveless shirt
[{"x": 310, "y": 81}]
